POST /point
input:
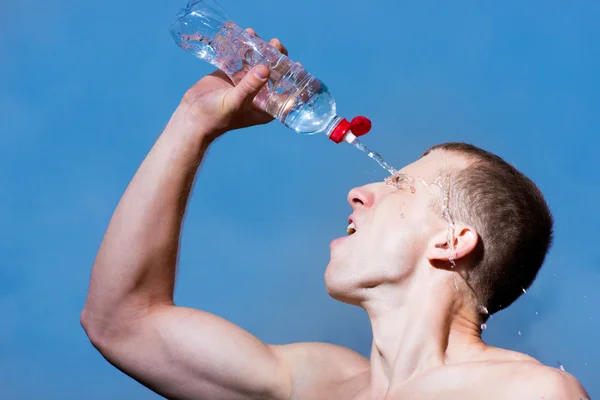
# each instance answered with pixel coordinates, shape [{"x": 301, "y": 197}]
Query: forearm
[{"x": 136, "y": 264}]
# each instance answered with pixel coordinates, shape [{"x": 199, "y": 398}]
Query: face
[{"x": 395, "y": 222}]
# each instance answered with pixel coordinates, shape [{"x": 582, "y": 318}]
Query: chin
[{"x": 339, "y": 285}]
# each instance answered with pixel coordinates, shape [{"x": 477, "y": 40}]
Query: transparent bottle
[{"x": 293, "y": 96}]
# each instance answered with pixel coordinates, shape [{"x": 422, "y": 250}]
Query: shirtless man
[{"x": 426, "y": 278}]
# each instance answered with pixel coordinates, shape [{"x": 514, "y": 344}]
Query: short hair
[{"x": 511, "y": 217}]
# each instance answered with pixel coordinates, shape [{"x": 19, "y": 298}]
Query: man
[{"x": 455, "y": 234}]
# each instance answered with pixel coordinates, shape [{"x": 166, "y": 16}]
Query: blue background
[{"x": 86, "y": 87}]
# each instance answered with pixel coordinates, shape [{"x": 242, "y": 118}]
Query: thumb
[{"x": 245, "y": 91}]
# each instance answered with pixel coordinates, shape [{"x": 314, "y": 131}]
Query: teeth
[{"x": 351, "y": 229}]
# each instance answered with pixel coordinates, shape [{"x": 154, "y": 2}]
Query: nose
[{"x": 361, "y": 197}]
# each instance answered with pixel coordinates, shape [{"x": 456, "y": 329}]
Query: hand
[{"x": 214, "y": 105}]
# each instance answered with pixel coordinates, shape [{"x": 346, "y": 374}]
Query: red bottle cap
[{"x": 359, "y": 126}]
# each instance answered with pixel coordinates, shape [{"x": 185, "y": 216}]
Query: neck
[{"x": 419, "y": 326}]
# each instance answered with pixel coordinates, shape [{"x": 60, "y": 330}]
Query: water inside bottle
[{"x": 293, "y": 96}]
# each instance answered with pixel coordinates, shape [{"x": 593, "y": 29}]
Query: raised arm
[{"x": 129, "y": 315}]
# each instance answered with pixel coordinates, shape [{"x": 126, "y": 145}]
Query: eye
[
  {"x": 392, "y": 180},
  {"x": 401, "y": 181}
]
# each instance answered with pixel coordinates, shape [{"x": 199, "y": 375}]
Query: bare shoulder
[
  {"x": 517, "y": 377},
  {"x": 529, "y": 379},
  {"x": 320, "y": 366},
  {"x": 535, "y": 379}
]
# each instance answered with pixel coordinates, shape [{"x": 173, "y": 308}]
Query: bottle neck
[
  {"x": 335, "y": 121},
  {"x": 339, "y": 130}
]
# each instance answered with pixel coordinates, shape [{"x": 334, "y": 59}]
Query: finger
[
  {"x": 245, "y": 91},
  {"x": 251, "y": 31},
  {"x": 277, "y": 44}
]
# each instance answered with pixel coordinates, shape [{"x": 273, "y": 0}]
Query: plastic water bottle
[{"x": 292, "y": 95}]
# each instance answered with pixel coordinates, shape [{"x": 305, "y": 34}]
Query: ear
[{"x": 445, "y": 248}]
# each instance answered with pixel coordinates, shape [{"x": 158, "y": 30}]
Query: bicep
[{"x": 183, "y": 353}]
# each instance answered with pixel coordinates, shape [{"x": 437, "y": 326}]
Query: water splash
[
  {"x": 399, "y": 179},
  {"x": 453, "y": 265},
  {"x": 443, "y": 182},
  {"x": 483, "y": 327}
]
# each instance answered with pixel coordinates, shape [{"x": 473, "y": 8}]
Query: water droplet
[
  {"x": 536, "y": 313},
  {"x": 453, "y": 264},
  {"x": 585, "y": 297},
  {"x": 560, "y": 366},
  {"x": 519, "y": 332},
  {"x": 482, "y": 310},
  {"x": 402, "y": 215},
  {"x": 524, "y": 291},
  {"x": 554, "y": 274},
  {"x": 483, "y": 327}
]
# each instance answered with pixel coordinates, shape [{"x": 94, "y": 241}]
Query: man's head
[{"x": 497, "y": 228}]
